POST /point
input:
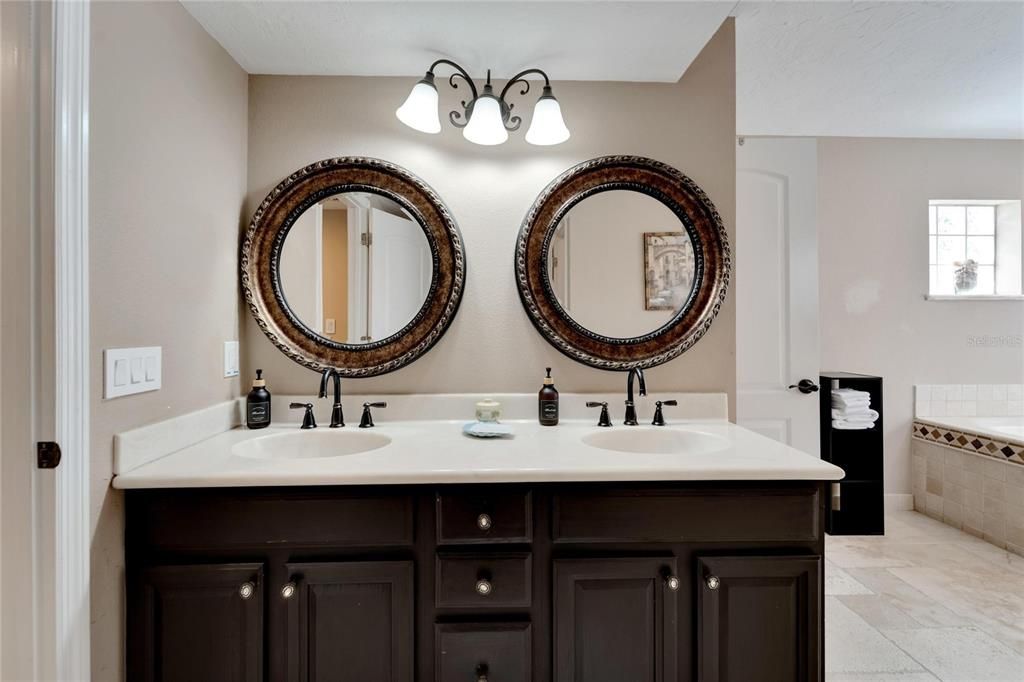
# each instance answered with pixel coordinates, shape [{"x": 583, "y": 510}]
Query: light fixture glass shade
[
  {"x": 547, "y": 126},
  {"x": 486, "y": 125},
  {"x": 419, "y": 111}
]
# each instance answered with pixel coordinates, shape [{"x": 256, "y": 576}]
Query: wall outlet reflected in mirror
[{"x": 230, "y": 359}]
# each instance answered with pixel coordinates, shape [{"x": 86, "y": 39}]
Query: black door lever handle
[{"x": 805, "y": 386}]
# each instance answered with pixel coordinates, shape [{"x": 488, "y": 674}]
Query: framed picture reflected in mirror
[{"x": 668, "y": 270}]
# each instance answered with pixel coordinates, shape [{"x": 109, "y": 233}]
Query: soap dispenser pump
[
  {"x": 547, "y": 402},
  {"x": 257, "y": 403}
]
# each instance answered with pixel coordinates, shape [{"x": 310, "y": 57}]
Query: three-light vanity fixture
[{"x": 485, "y": 118}]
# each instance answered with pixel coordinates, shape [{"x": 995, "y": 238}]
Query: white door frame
[
  {"x": 49, "y": 637},
  {"x": 71, "y": 324}
]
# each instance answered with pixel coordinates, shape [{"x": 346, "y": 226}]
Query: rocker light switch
[
  {"x": 120, "y": 372},
  {"x": 131, "y": 370}
]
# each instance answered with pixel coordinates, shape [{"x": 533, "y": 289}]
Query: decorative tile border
[{"x": 976, "y": 443}]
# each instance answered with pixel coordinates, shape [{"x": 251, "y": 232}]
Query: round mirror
[
  {"x": 353, "y": 264},
  {"x": 621, "y": 264},
  {"x": 355, "y": 268}
]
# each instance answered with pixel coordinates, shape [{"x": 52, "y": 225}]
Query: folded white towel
[
  {"x": 850, "y": 393},
  {"x": 843, "y": 425},
  {"x": 855, "y": 414}
]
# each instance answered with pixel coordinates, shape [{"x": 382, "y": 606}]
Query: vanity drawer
[
  {"x": 198, "y": 519},
  {"x": 497, "y": 652},
  {"x": 737, "y": 513},
  {"x": 467, "y": 516},
  {"x": 484, "y": 581}
]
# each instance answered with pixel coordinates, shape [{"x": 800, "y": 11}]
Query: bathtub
[{"x": 998, "y": 428}]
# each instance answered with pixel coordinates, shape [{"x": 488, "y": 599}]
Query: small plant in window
[{"x": 966, "y": 275}]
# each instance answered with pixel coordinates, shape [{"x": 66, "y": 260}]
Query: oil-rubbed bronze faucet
[
  {"x": 659, "y": 417},
  {"x": 366, "y": 421},
  {"x": 337, "y": 416},
  {"x": 308, "y": 420},
  {"x": 638, "y": 373}
]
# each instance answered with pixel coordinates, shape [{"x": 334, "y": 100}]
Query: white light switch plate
[
  {"x": 231, "y": 358},
  {"x": 131, "y": 370}
]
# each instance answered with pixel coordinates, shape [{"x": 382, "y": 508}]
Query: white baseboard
[{"x": 899, "y": 502}]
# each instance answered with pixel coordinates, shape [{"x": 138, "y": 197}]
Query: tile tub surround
[
  {"x": 969, "y": 400},
  {"x": 976, "y": 493},
  {"x": 971, "y": 435}
]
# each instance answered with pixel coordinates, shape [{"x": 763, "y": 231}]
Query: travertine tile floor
[{"x": 924, "y": 602}]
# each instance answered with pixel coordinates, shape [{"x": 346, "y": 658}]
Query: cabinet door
[
  {"x": 760, "y": 619},
  {"x": 200, "y": 622},
  {"x": 615, "y": 620},
  {"x": 351, "y": 622}
]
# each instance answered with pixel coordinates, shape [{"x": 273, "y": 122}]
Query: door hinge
[
  {"x": 47, "y": 454},
  {"x": 366, "y": 239}
]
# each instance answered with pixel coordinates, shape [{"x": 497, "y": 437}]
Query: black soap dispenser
[
  {"x": 257, "y": 404},
  {"x": 547, "y": 402}
]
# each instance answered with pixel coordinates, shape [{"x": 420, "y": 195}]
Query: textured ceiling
[
  {"x": 874, "y": 69},
  {"x": 614, "y": 41},
  {"x": 890, "y": 69}
]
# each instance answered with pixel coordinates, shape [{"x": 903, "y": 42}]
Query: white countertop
[{"x": 425, "y": 452}]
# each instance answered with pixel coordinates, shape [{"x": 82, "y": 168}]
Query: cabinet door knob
[
  {"x": 484, "y": 587},
  {"x": 484, "y": 522},
  {"x": 288, "y": 590},
  {"x": 246, "y": 590},
  {"x": 672, "y": 583},
  {"x": 712, "y": 582}
]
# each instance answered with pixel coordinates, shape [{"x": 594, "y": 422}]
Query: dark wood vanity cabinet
[
  {"x": 504, "y": 583},
  {"x": 194, "y": 622}
]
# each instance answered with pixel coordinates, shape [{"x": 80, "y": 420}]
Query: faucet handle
[
  {"x": 603, "y": 420},
  {"x": 308, "y": 421},
  {"x": 659, "y": 418},
  {"x": 366, "y": 421}
]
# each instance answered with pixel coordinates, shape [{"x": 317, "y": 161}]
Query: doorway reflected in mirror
[{"x": 355, "y": 268}]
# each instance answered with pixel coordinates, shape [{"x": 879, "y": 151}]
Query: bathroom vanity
[
  {"x": 451, "y": 559},
  {"x": 411, "y": 552}
]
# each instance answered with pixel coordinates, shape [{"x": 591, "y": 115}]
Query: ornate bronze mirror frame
[
  {"x": 261, "y": 253},
  {"x": 698, "y": 216}
]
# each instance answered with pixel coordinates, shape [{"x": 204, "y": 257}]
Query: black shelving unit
[{"x": 858, "y": 453}]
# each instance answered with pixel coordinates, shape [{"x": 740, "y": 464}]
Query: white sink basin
[
  {"x": 311, "y": 444},
  {"x": 655, "y": 441}
]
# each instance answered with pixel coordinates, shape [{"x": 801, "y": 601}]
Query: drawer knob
[
  {"x": 288, "y": 591},
  {"x": 712, "y": 582},
  {"x": 484, "y": 587},
  {"x": 246, "y": 590},
  {"x": 672, "y": 583},
  {"x": 481, "y": 673},
  {"x": 484, "y": 522}
]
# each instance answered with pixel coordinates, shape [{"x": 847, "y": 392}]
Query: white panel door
[
  {"x": 777, "y": 288},
  {"x": 400, "y": 272}
]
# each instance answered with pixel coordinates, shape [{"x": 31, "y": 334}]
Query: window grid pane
[
  {"x": 981, "y": 220},
  {"x": 952, "y": 219},
  {"x": 957, "y": 235}
]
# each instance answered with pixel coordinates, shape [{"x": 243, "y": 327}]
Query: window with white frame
[{"x": 974, "y": 248}]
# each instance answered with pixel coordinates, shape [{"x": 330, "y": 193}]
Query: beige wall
[
  {"x": 167, "y": 175},
  {"x": 492, "y": 346},
  {"x": 872, "y": 240}
]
